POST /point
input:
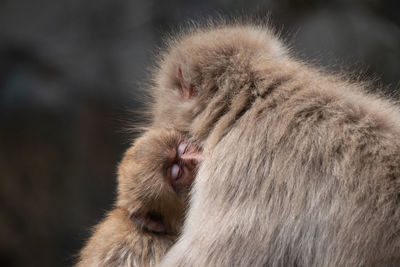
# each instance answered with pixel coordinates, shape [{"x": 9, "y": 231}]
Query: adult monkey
[{"x": 301, "y": 168}]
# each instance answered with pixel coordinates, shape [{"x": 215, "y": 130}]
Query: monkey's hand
[{"x": 148, "y": 220}]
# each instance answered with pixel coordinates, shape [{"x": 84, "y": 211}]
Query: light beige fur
[
  {"x": 301, "y": 168},
  {"x": 142, "y": 186}
]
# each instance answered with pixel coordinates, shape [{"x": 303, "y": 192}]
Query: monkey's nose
[
  {"x": 189, "y": 153},
  {"x": 195, "y": 157}
]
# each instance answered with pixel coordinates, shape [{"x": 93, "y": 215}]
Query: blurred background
[{"x": 70, "y": 70}]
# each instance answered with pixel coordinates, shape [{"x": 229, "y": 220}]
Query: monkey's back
[
  {"x": 303, "y": 168},
  {"x": 311, "y": 180}
]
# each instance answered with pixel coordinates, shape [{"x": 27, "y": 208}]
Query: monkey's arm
[{"x": 117, "y": 241}]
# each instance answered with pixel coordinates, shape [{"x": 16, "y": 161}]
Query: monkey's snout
[{"x": 189, "y": 153}]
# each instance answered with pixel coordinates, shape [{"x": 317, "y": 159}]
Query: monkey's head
[
  {"x": 154, "y": 179},
  {"x": 204, "y": 66}
]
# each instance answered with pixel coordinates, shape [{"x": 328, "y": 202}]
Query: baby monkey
[{"x": 154, "y": 179}]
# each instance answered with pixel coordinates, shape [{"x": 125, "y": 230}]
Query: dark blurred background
[{"x": 71, "y": 69}]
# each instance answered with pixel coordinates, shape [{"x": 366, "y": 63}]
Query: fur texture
[
  {"x": 117, "y": 241},
  {"x": 301, "y": 168},
  {"x": 122, "y": 239}
]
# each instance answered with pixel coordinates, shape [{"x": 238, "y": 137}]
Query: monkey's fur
[
  {"x": 143, "y": 190},
  {"x": 301, "y": 168}
]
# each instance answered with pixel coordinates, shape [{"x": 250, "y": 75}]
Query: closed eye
[
  {"x": 176, "y": 171},
  {"x": 182, "y": 148}
]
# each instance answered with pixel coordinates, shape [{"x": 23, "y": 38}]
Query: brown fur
[
  {"x": 122, "y": 238},
  {"x": 301, "y": 168}
]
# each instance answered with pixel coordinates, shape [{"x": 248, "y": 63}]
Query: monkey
[
  {"x": 154, "y": 178},
  {"x": 300, "y": 167}
]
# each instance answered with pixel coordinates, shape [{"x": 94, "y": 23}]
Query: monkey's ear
[
  {"x": 149, "y": 221},
  {"x": 187, "y": 89}
]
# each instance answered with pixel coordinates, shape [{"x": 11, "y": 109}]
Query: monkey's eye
[
  {"x": 182, "y": 148},
  {"x": 176, "y": 171}
]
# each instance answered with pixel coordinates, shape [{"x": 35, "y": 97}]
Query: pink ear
[{"x": 188, "y": 91}]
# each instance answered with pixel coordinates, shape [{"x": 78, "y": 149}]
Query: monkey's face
[{"x": 155, "y": 177}]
